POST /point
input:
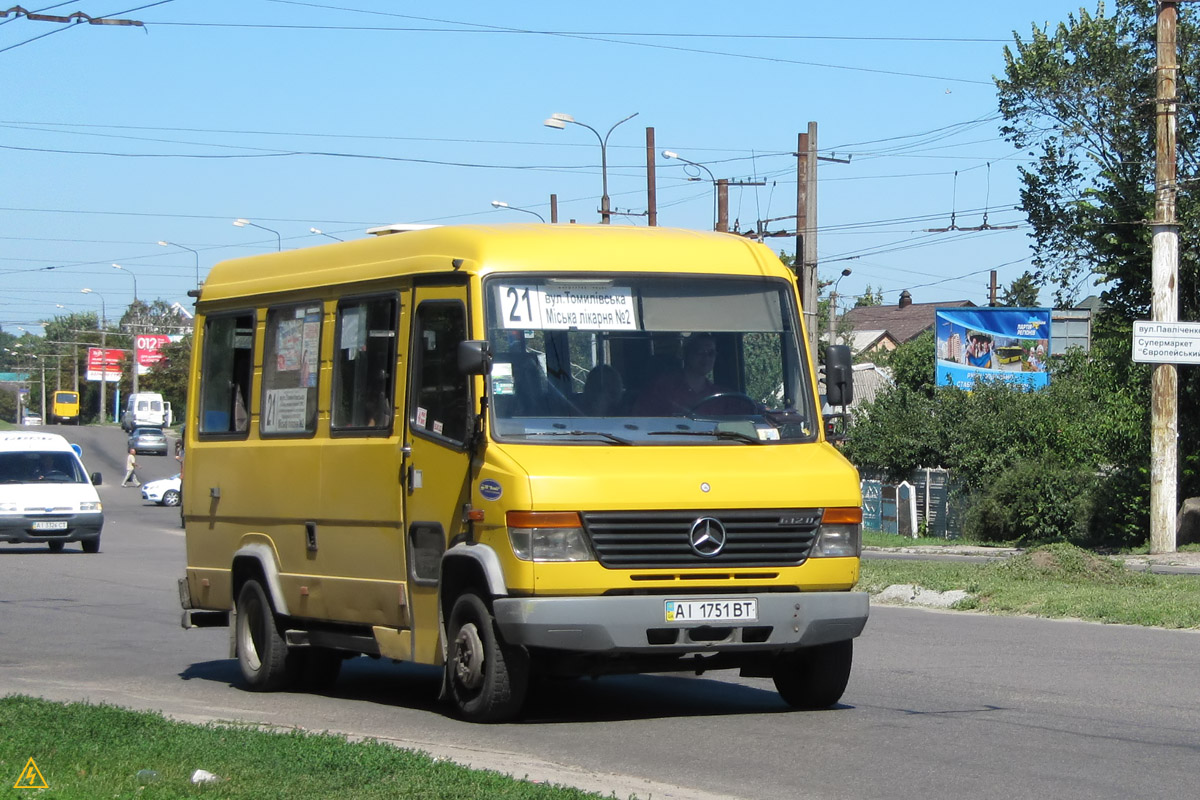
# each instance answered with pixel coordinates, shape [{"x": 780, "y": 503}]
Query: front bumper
[
  {"x": 636, "y": 624},
  {"x": 18, "y": 528}
]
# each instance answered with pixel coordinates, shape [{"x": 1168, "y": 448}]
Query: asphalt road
[{"x": 940, "y": 705}]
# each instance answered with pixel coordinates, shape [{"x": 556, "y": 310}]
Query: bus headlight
[
  {"x": 547, "y": 536},
  {"x": 840, "y": 534}
]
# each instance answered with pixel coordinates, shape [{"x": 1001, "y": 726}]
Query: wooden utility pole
[
  {"x": 806, "y": 228},
  {"x": 992, "y": 290},
  {"x": 553, "y": 208},
  {"x": 722, "y": 205},
  {"x": 1164, "y": 304},
  {"x": 651, "y": 185}
]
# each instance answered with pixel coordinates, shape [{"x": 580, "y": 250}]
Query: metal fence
[{"x": 924, "y": 504}]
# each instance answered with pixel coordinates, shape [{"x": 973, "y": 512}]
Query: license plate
[
  {"x": 50, "y": 525},
  {"x": 742, "y": 609}
]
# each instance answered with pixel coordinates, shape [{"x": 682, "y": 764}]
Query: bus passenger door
[{"x": 437, "y": 469}]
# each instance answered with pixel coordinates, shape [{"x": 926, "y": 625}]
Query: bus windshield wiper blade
[
  {"x": 734, "y": 435},
  {"x": 612, "y": 437}
]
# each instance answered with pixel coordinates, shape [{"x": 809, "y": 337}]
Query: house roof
[{"x": 902, "y": 322}]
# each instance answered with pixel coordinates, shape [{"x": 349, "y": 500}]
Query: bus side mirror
[
  {"x": 474, "y": 357},
  {"x": 839, "y": 375}
]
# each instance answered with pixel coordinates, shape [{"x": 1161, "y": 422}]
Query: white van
[
  {"x": 46, "y": 495},
  {"x": 146, "y": 410}
]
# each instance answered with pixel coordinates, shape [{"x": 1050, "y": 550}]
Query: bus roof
[{"x": 481, "y": 249}]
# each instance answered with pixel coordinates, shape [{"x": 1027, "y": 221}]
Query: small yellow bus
[
  {"x": 64, "y": 408},
  {"x": 519, "y": 451}
]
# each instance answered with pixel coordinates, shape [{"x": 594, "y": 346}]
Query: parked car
[
  {"x": 165, "y": 492},
  {"x": 148, "y": 440}
]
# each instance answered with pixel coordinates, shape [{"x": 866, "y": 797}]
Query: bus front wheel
[
  {"x": 488, "y": 679},
  {"x": 814, "y": 677}
]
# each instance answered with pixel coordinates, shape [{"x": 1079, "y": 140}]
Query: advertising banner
[
  {"x": 107, "y": 362},
  {"x": 148, "y": 348},
  {"x": 1008, "y": 344}
]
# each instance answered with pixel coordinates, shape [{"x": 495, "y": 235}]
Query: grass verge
[
  {"x": 1052, "y": 581},
  {"x": 872, "y": 538},
  {"x": 87, "y": 751}
]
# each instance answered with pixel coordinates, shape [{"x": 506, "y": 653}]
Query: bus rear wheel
[
  {"x": 488, "y": 679},
  {"x": 814, "y": 677},
  {"x": 261, "y": 649}
]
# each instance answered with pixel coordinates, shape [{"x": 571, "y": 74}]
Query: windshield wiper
[
  {"x": 737, "y": 436},
  {"x": 610, "y": 436}
]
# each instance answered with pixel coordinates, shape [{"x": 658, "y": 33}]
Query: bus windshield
[{"x": 647, "y": 359}]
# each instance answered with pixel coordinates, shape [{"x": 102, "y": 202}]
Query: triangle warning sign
[{"x": 31, "y": 778}]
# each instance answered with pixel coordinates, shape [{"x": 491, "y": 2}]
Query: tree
[
  {"x": 869, "y": 297},
  {"x": 1022, "y": 292},
  {"x": 1079, "y": 100}
]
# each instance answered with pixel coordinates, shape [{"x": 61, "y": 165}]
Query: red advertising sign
[
  {"x": 105, "y": 361},
  {"x": 148, "y": 348}
]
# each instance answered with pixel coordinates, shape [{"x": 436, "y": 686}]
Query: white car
[{"x": 165, "y": 492}]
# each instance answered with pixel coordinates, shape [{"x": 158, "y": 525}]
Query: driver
[{"x": 679, "y": 392}]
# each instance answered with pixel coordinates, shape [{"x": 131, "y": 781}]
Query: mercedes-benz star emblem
[{"x": 707, "y": 537}]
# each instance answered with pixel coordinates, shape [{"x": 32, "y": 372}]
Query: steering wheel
[{"x": 740, "y": 398}]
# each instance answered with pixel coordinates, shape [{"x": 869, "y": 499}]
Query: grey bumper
[
  {"x": 19, "y": 528},
  {"x": 638, "y": 625}
]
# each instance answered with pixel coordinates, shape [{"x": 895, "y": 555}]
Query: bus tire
[
  {"x": 487, "y": 678},
  {"x": 261, "y": 649},
  {"x": 814, "y": 677}
]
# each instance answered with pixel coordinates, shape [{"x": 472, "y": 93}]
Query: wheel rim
[
  {"x": 468, "y": 657},
  {"x": 250, "y": 634}
]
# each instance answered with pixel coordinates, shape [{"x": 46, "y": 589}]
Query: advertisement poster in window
[{"x": 1008, "y": 344}]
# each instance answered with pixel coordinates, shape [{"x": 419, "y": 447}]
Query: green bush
[{"x": 1033, "y": 502}]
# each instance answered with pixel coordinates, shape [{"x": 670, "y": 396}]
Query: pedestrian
[{"x": 130, "y": 466}]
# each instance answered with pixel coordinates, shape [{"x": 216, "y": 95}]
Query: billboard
[
  {"x": 148, "y": 346},
  {"x": 107, "y": 361},
  {"x": 1008, "y": 344}
]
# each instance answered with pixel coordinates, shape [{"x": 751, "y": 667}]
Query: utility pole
[
  {"x": 553, "y": 208},
  {"x": 1164, "y": 304},
  {"x": 722, "y": 205},
  {"x": 992, "y": 290},
  {"x": 806, "y": 228},
  {"x": 651, "y": 181}
]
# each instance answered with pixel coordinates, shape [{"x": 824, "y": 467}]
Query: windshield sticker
[
  {"x": 437, "y": 427},
  {"x": 490, "y": 489},
  {"x": 422, "y": 415},
  {"x": 564, "y": 305}
]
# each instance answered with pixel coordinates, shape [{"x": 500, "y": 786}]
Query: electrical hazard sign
[{"x": 31, "y": 778}]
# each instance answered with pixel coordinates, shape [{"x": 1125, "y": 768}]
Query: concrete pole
[{"x": 1164, "y": 383}]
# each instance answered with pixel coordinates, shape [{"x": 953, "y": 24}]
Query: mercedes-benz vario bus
[{"x": 518, "y": 451}]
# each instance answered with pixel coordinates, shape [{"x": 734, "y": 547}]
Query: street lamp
[
  {"x": 560, "y": 121},
  {"x": 712, "y": 178},
  {"x": 103, "y": 349},
  {"x": 241, "y": 223},
  {"x": 502, "y": 204},
  {"x": 163, "y": 243},
  {"x": 326, "y": 235},
  {"x": 128, "y": 270},
  {"x": 833, "y": 307}
]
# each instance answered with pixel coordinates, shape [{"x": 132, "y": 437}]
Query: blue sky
[{"x": 340, "y": 117}]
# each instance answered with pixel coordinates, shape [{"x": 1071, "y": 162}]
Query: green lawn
[{"x": 85, "y": 752}]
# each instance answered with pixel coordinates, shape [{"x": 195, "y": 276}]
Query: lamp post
[
  {"x": 502, "y": 204},
  {"x": 833, "y": 307},
  {"x": 103, "y": 349},
  {"x": 130, "y": 273},
  {"x": 241, "y": 223},
  {"x": 560, "y": 121},
  {"x": 164, "y": 243},
  {"x": 712, "y": 178},
  {"x": 319, "y": 232}
]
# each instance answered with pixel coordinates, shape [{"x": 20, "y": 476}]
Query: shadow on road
[{"x": 582, "y": 700}]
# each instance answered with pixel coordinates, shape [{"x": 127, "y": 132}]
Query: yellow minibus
[
  {"x": 519, "y": 451},
  {"x": 64, "y": 408}
]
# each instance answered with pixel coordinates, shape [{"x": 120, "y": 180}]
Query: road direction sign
[{"x": 1166, "y": 342}]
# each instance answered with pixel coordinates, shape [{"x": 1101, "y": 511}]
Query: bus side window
[
  {"x": 291, "y": 367},
  {"x": 440, "y": 391},
  {"x": 364, "y": 364},
  {"x": 227, "y": 365}
]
